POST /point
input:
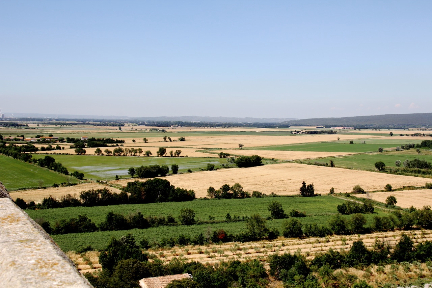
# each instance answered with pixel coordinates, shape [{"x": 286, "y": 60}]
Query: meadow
[
  {"x": 107, "y": 167},
  {"x": 16, "y": 174},
  {"x": 367, "y": 161},
  {"x": 358, "y": 146},
  {"x": 319, "y": 210}
]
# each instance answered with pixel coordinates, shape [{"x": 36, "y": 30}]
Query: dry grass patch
[
  {"x": 405, "y": 198},
  {"x": 37, "y": 195},
  {"x": 286, "y": 179}
]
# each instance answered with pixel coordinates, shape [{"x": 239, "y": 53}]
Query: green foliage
[
  {"x": 131, "y": 171},
  {"x": 256, "y": 227},
  {"x": 357, "y": 223},
  {"x": 388, "y": 187},
  {"x": 391, "y": 201},
  {"x": 292, "y": 228},
  {"x": 404, "y": 250},
  {"x": 152, "y": 171},
  {"x": 307, "y": 190},
  {"x": 380, "y": 166},
  {"x": 351, "y": 207},
  {"x": 174, "y": 168},
  {"x": 380, "y": 149},
  {"x": 358, "y": 190},
  {"x": 187, "y": 216},
  {"x": 122, "y": 249},
  {"x": 210, "y": 167},
  {"x": 296, "y": 213},
  {"x": 339, "y": 225},
  {"x": 428, "y": 185},
  {"x": 161, "y": 152},
  {"x": 248, "y": 161},
  {"x": 276, "y": 210}
]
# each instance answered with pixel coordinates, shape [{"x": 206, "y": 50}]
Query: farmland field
[
  {"x": 363, "y": 145},
  {"x": 16, "y": 174},
  {"x": 106, "y": 167},
  {"x": 367, "y": 161},
  {"x": 319, "y": 210}
]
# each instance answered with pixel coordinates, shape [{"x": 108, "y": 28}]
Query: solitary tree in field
[
  {"x": 380, "y": 166},
  {"x": 148, "y": 153},
  {"x": 391, "y": 201},
  {"x": 161, "y": 152},
  {"x": 98, "y": 151},
  {"x": 307, "y": 190},
  {"x": 241, "y": 146},
  {"x": 145, "y": 140},
  {"x": 187, "y": 216},
  {"x": 131, "y": 171},
  {"x": 276, "y": 210}
]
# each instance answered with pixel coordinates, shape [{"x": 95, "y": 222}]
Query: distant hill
[{"x": 374, "y": 121}]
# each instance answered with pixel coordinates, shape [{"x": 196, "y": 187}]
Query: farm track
[{"x": 215, "y": 253}]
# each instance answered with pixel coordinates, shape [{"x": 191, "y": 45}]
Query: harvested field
[
  {"x": 405, "y": 198},
  {"x": 286, "y": 179},
  {"x": 37, "y": 195},
  {"x": 215, "y": 253}
]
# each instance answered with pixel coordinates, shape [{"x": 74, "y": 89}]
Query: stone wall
[{"x": 28, "y": 255}]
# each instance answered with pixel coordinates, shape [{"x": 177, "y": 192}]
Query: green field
[
  {"x": 318, "y": 209},
  {"x": 359, "y": 146},
  {"x": 106, "y": 167},
  {"x": 16, "y": 174},
  {"x": 367, "y": 161}
]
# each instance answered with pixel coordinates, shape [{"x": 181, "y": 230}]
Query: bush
[
  {"x": 187, "y": 216},
  {"x": 296, "y": 213},
  {"x": 122, "y": 249},
  {"x": 174, "y": 168},
  {"x": 358, "y": 190},
  {"x": 276, "y": 210},
  {"x": 380, "y": 149},
  {"x": 256, "y": 226},
  {"x": 388, "y": 188},
  {"x": 428, "y": 185},
  {"x": 210, "y": 167},
  {"x": 391, "y": 201},
  {"x": 380, "y": 166},
  {"x": 357, "y": 223},
  {"x": 339, "y": 225},
  {"x": 398, "y": 163},
  {"x": 248, "y": 161},
  {"x": 292, "y": 228}
]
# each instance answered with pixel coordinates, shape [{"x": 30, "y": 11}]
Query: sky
[{"x": 264, "y": 59}]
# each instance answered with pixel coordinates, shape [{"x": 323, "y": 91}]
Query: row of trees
[{"x": 150, "y": 191}]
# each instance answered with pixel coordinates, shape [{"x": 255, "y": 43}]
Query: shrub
[
  {"x": 380, "y": 166},
  {"x": 339, "y": 225},
  {"x": 388, "y": 188},
  {"x": 296, "y": 213},
  {"x": 248, "y": 161},
  {"x": 174, "y": 168},
  {"x": 332, "y": 190},
  {"x": 210, "y": 167},
  {"x": 122, "y": 249},
  {"x": 358, "y": 190},
  {"x": 256, "y": 226},
  {"x": 391, "y": 201},
  {"x": 357, "y": 223},
  {"x": 428, "y": 185},
  {"x": 398, "y": 163},
  {"x": 187, "y": 216},
  {"x": 292, "y": 228},
  {"x": 276, "y": 210},
  {"x": 403, "y": 251}
]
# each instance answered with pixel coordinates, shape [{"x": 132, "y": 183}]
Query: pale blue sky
[{"x": 287, "y": 59}]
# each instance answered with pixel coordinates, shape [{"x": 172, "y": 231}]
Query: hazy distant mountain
[
  {"x": 156, "y": 119},
  {"x": 374, "y": 121}
]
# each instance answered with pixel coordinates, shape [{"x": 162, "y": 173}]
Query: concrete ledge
[{"x": 28, "y": 255}]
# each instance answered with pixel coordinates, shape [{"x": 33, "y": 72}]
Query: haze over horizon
[{"x": 278, "y": 59}]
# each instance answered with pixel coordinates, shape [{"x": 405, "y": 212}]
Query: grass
[
  {"x": 367, "y": 161},
  {"x": 371, "y": 145},
  {"x": 106, "y": 167},
  {"x": 319, "y": 210},
  {"x": 16, "y": 174}
]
